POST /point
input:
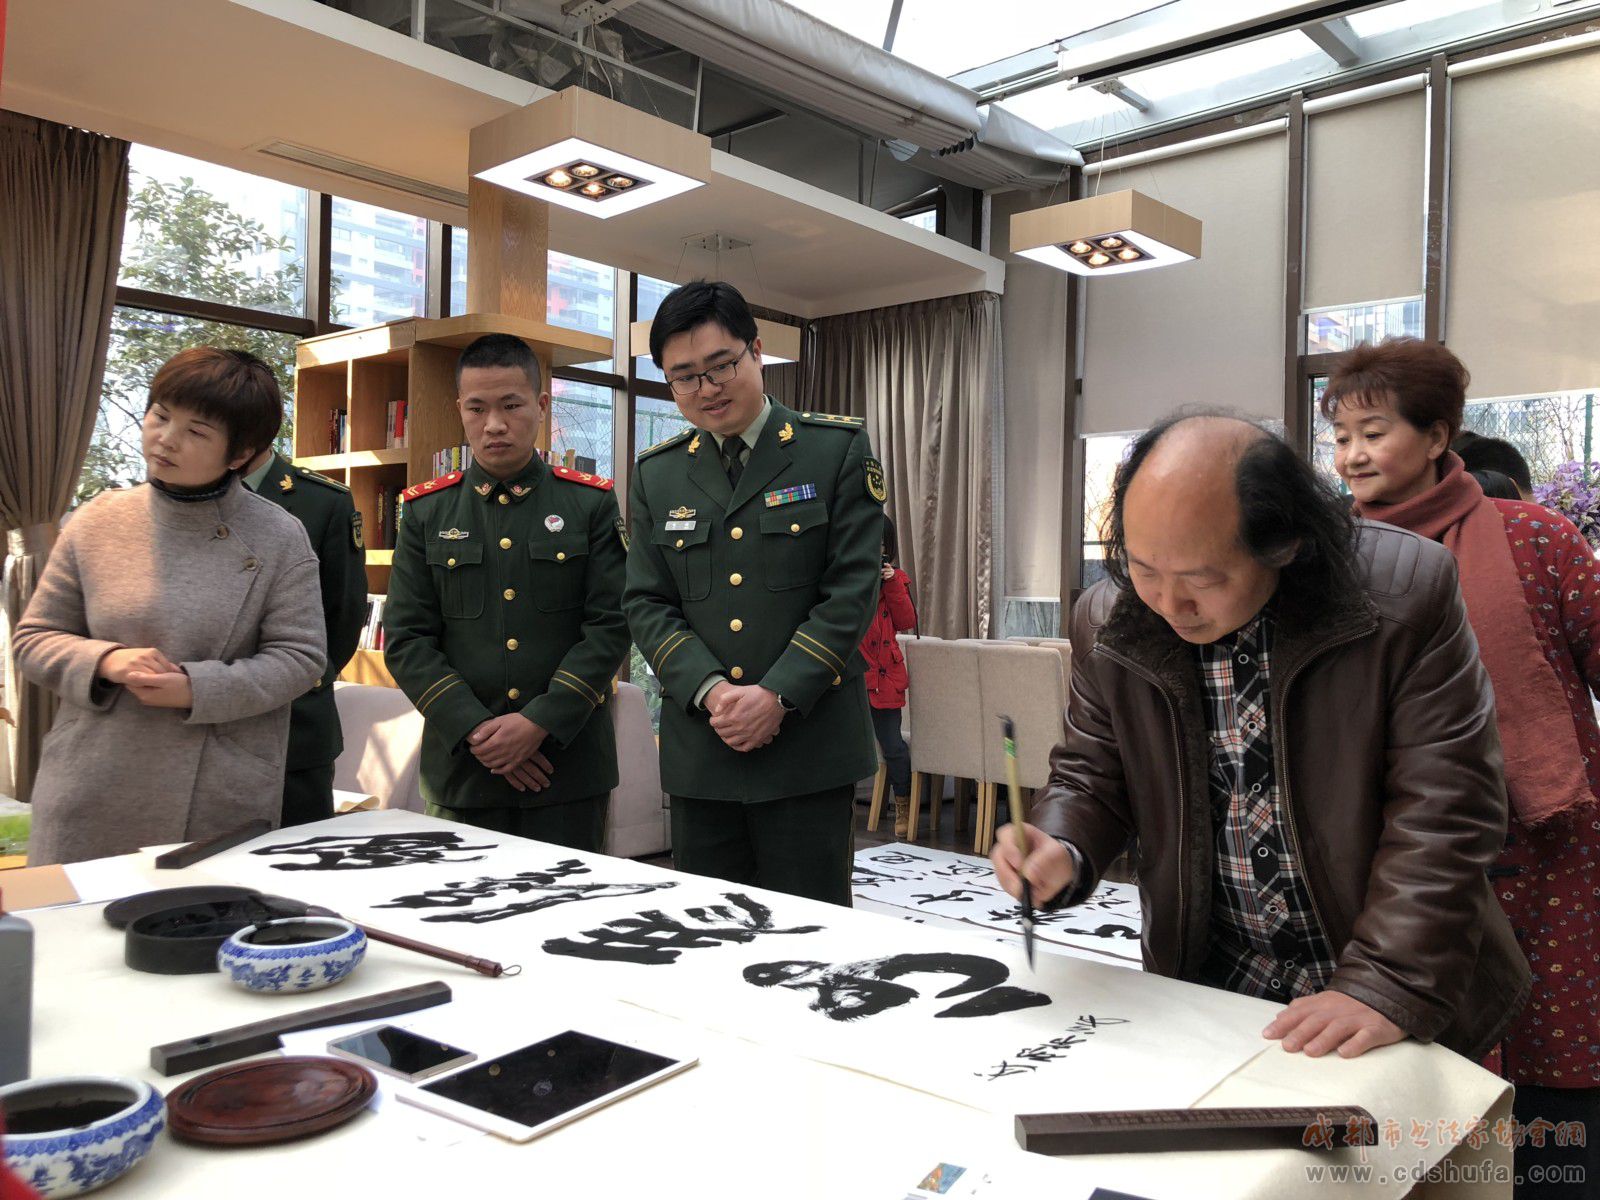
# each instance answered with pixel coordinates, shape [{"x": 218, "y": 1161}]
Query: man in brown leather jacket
[{"x": 1285, "y": 714}]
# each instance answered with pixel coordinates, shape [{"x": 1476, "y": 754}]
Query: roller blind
[
  {"x": 1203, "y": 332},
  {"x": 1365, "y": 168},
  {"x": 1523, "y": 286}
]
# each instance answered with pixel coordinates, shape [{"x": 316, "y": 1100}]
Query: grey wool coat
[{"x": 226, "y": 588}]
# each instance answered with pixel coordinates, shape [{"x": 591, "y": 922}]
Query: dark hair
[
  {"x": 233, "y": 388},
  {"x": 1496, "y": 484},
  {"x": 1290, "y": 518},
  {"x": 500, "y": 350},
  {"x": 891, "y": 542},
  {"x": 1497, "y": 455},
  {"x": 1424, "y": 381},
  {"x": 701, "y": 303}
]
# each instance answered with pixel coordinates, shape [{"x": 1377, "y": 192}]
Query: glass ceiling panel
[
  {"x": 1234, "y": 62},
  {"x": 1062, "y": 104},
  {"x": 1391, "y": 17},
  {"x": 950, "y": 36},
  {"x": 866, "y": 20}
]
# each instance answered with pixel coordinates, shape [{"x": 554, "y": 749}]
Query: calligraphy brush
[{"x": 1019, "y": 820}]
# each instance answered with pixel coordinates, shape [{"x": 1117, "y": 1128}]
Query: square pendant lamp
[
  {"x": 587, "y": 153},
  {"x": 780, "y": 343},
  {"x": 1114, "y": 234}
]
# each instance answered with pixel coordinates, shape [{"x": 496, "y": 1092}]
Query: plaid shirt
[{"x": 1265, "y": 940}]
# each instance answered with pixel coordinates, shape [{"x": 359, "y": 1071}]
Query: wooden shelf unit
[{"x": 360, "y": 371}]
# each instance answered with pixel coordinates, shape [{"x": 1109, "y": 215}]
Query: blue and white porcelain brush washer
[
  {"x": 72, "y": 1134},
  {"x": 296, "y": 954}
]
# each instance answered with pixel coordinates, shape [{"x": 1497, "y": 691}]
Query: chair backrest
[
  {"x": 382, "y": 745},
  {"x": 1024, "y": 683},
  {"x": 1064, "y": 648},
  {"x": 943, "y": 699}
]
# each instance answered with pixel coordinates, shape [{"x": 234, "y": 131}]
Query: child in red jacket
[{"x": 886, "y": 674}]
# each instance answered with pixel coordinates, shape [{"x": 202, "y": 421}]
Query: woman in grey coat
[{"x": 176, "y": 621}]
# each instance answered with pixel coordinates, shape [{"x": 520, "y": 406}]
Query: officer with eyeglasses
[{"x": 751, "y": 579}]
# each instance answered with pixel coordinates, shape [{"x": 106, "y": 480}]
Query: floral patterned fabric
[{"x": 1548, "y": 879}]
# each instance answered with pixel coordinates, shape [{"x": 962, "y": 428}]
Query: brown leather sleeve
[
  {"x": 1415, "y": 942},
  {"x": 1086, "y": 800}
]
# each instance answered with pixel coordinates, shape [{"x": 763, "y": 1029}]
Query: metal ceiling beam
[
  {"x": 1337, "y": 40},
  {"x": 1115, "y": 87}
]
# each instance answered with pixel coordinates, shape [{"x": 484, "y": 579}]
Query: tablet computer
[
  {"x": 400, "y": 1052},
  {"x": 531, "y": 1091}
]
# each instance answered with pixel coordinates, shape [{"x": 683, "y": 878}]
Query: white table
[{"x": 751, "y": 1121}]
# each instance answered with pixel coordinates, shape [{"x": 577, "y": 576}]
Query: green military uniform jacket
[
  {"x": 773, "y": 583},
  {"x": 334, "y": 527},
  {"x": 506, "y": 597}
]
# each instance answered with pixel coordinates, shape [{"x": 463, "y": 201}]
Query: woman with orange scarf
[{"x": 1533, "y": 599}]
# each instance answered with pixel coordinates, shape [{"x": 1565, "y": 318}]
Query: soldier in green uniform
[
  {"x": 504, "y": 619},
  {"x": 334, "y": 527},
  {"x": 751, "y": 580}
]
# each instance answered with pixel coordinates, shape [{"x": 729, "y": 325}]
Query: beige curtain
[
  {"x": 927, "y": 379},
  {"x": 63, "y": 193}
]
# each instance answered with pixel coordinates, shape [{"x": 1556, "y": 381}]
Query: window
[
  {"x": 1549, "y": 430},
  {"x": 582, "y": 418},
  {"x": 1101, "y": 458},
  {"x": 926, "y": 219},
  {"x": 1332, "y": 330},
  {"x": 140, "y": 343},
  {"x": 458, "y": 271},
  {"x": 651, "y": 293},
  {"x": 206, "y": 232},
  {"x": 358, "y": 294}
]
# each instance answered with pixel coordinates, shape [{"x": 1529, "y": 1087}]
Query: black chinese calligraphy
[
  {"x": 897, "y": 858},
  {"x": 955, "y": 895},
  {"x": 866, "y": 877},
  {"x": 1031, "y": 1058},
  {"x": 374, "y": 851},
  {"x": 653, "y": 938},
  {"x": 849, "y": 991},
  {"x": 1058, "y": 922},
  {"x": 544, "y": 889}
]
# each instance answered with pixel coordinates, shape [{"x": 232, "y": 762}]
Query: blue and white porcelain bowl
[
  {"x": 70, "y": 1135},
  {"x": 296, "y": 954}
]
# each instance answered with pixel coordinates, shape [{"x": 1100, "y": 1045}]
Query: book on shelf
[
  {"x": 338, "y": 431},
  {"x": 372, "y": 629},
  {"x": 387, "y": 524},
  {"x": 398, "y": 435}
]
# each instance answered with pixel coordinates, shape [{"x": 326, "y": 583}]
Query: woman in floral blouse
[{"x": 1529, "y": 581}]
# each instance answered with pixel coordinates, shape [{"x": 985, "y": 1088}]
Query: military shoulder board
[
  {"x": 583, "y": 477},
  {"x": 322, "y": 479},
  {"x": 674, "y": 440},
  {"x": 816, "y": 418},
  {"x": 433, "y": 485}
]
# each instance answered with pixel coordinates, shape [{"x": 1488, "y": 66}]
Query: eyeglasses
[{"x": 688, "y": 385}]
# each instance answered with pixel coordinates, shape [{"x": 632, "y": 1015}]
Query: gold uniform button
[
  {"x": 737, "y": 672},
  {"x": 505, "y": 543},
  {"x": 736, "y": 533},
  {"x": 795, "y": 528},
  {"x": 835, "y": 681},
  {"x": 736, "y": 579},
  {"x": 449, "y": 562},
  {"x": 736, "y": 624},
  {"x": 678, "y": 545},
  {"x": 510, "y": 593},
  {"x": 561, "y": 556},
  {"x": 513, "y": 694},
  {"x": 504, "y": 499},
  {"x": 511, "y": 643}
]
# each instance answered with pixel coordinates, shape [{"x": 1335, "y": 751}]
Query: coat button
[
  {"x": 736, "y": 624},
  {"x": 513, "y": 694},
  {"x": 795, "y": 528},
  {"x": 737, "y": 672},
  {"x": 449, "y": 562},
  {"x": 736, "y": 579},
  {"x": 678, "y": 545},
  {"x": 504, "y": 499},
  {"x": 736, "y": 533},
  {"x": 561, "y": 556},
  {"x": 510, "y": 593},
  {"x": 505, "y": 543},
  {"x": 251, "y": 564},
  {"x": 511, "y": 643},
  {"x": 222, "y": 531}
]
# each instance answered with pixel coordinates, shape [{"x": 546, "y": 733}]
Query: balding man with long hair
[{"x": 1283, "y": 710}]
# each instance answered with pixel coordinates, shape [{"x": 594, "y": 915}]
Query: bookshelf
[{"x": 359, "y": 373}]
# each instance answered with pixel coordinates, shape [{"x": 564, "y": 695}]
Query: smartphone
[
  {"x": 531, "y": 1091},
  {"x": 400, "y": 1053}
]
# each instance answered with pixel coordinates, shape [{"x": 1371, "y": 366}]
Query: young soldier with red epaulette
[{"x": 504, "y": 618}]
